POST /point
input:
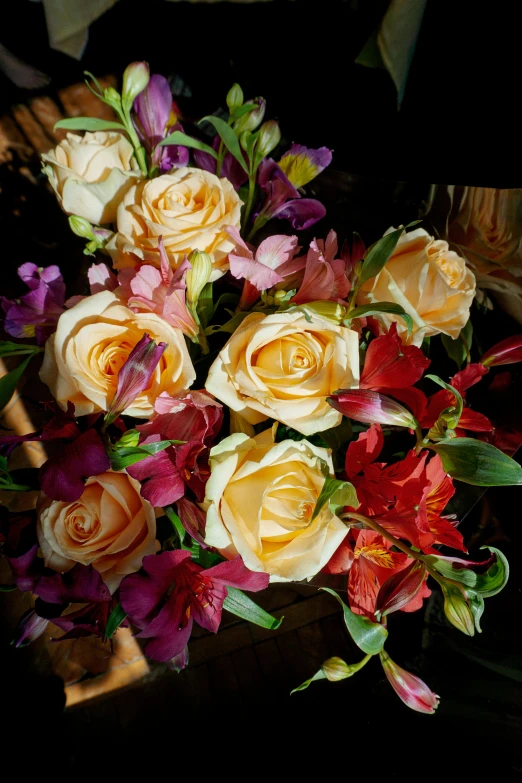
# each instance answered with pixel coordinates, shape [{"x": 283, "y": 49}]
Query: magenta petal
[
  {"x": 62, "y": 477},
  {"x": 161, "y": 483},
  {"x": 82, "y": 584},
  {"x": 142, "y": 593},
  {"x": 193, "y": 519},
  {"x": 134, "y": 377},
  {"x": 26, "y": 569},
  {"x": 234, "y": 573},
  {"x": 167, "y": 633},
  {"x": 207, "y": 614},
  {"x": 302, "y": 213},
  {"x": 153, "y": 107},
  {"x": 29, "y": 628}
]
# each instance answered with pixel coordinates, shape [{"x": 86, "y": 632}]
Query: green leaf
[
  {"x": 378, "y": 254},
  {"x": 244, "y": 109},
  {"x": 123, "y": 457},
  {"x": 8, "y": 348},
  {"x": 368, "y": 636},
  {"x": 88, "y": 124},
  {"x": 381, "y": 307},
  {"x": 242, "y": 606},
  {"x": 128, "y": 439},
  {"x": 228, "y": 137},
  {"x": 182, "y": 140},
  {"x": 177, "y": 524},
  {"x": 7, "y": 588},
  {"x": 338, "y": 494},
  {"x": 335, "y": 437},
  {"x": 477, "y": 463},
  {"x": 116, "y": 617},
  {"x": 9, "y": 382},
  {"x": 459, "y": 349},
  {"x": 459, "y": 403},
  {"x": 205, "y": 306},
  {"x": 486, "y": 584},
  {"x": 320, "y": 675},
  {"x": 476, "y": 604}
]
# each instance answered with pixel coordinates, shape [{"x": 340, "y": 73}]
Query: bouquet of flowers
[{"x": 235, "y": 402}]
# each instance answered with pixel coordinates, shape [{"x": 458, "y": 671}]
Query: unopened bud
[
  {"x": 269, "y": 138},
  {"x": 235, "y": 98},
  {"x": 457, "y": 608},
  {"x": 371, "y": 407},
  {"x": 330, "y": 311},
  {"x": 198, "y": 276},
  {"x": 278, "y": 297},
  {"x": 112, "y": 97},
  {"x": 135, "y": 79},
  {"x": 81, "y": 227},
  {"x": 254, "y": 118}
]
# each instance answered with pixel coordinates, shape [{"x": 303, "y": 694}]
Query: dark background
[{"x": 457, "y": 125}]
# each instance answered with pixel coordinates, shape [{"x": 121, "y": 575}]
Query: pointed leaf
[
  {"x": 242, "y": 606},
  {"x": 116, "y": 617},
  {"x": 477, "y": 463},
  {"x": 8, "y": 348},
  {"x": 228, "y": 137},
  {"x": 182, "y": 140},
  {"x": 381, "y": 307},
  {"x": 320, "y": 675},
  {"x": 88, "y": 124},
  {"x": 123, "y": 457},
  {"x": 459, "y": 403},
  {"x": 338, "y": 494},
  {"x": 370, "y": 637},
  {"x": 9, "y": 382},
  {"x": 378, "y": 254}
]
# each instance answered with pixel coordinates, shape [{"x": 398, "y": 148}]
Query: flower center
[{"x": 375, "y": 554}]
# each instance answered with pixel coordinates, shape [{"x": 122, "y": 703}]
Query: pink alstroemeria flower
[
  {"x": 325, "y": 275},
  {"x": 171, "y": 592},
  {"x": 409, "y": 688},
  {"x": 263, "y": 268},
  {"x": 371, "y": 407},
  {"x": 148, "y": 289}
]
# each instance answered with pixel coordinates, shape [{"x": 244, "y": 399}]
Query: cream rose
[
  {"x": 110, "y": 527},
  {"x": 282, "y": 366},
  {"x": 189, "y": 208},
  {"x": 260, "y": 499},
  {"x": 431, "y": 283},
  {"x": 91, "y": 174},
  {"x": 92, "y": 342}
]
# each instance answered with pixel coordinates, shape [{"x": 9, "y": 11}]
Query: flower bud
[
  {"x": 235, "y": 98},
  {"x": 81, "y": 227},
  {"x": 198, "y": 276},
  {"x": 457, "y": 609},
  {"x": 330, "y": 311},
  {"x": 336, "y": 669},
  {"x": 29, "y": 628},
  {"x": 409, "y": 688},
  {"x": 268, "y": 139},
  {"x": 508, "y": 351},
  {"x": 371, "y": 407},
  {"x": 112, "y": 98},
  {"x": 251, "y": 120},
  {"x": 180, "y": 661},
  {"x": 134, "y": 377},
  {"x": 135, "y": 79},
  {"x": 401, "y": 588}
]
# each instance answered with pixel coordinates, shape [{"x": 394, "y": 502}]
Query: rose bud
[
  {"x": 135, "y": 78},
  {"x": 508, "y": 351},
  {"x": 135, "y": 375},
  {"x": 371, "y": 407},
  {"x": 409, "y": 688}
]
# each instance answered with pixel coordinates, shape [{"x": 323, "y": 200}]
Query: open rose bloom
[{"x": 241, "y": 394}]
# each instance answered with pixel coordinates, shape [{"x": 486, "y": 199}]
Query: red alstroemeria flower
[
  {"x": 373, "y": 563},
  {"x": 171, "y": 592},
  {"x": 469, "y": 420}
]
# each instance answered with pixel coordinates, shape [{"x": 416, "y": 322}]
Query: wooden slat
[
  {"x": 47, "y": 113},
  {"x": 11, "y": 139},
  {"x": 32, "y": 129}
]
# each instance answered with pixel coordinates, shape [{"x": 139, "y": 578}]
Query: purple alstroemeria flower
[
  {"x": 63, "y": 476},
  {"x": 230, "y": 169},
  {"x": 30, "y": 627},
  {"x": 154, "y": 121},
  {"x": 134, "y": 377},
  {"x": 171, "y": 592},
  {"x": 283, "y": 200},
  {"x": 196, "y": 419},
  {"x": 35, "y": 314},
  {"x": 301, "y": 165}
]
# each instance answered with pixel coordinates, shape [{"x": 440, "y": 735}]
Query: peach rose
[
  {"x": 90, "y": 174},
  {"x": 110, "y": 527},
  {"x": 260, "y": 499},
  {"x": 282, "y": 366},
  {"x": 92, "y": 342},
  {"x": 431, "y": 283},
  {"x": 189, "y": 208}
]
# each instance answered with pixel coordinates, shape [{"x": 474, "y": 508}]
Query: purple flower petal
[
  {"x": 62, "y": 477},
  {"x": 153, "y": 107},
  {"x": 134, "y": 377},
  {"x": 82, "y": 584},
  {"x": 302, "y": 213},
  {"x": 161, "y": 482},
  {"x": 142, "y": 593},
  {"x": 301, "y": 165},
  {"x": 234, "y": 573},
  {"x": 168, "y": 634},
  {"x": 26, "y": 568},
  {"x": 29, "y": 628}
]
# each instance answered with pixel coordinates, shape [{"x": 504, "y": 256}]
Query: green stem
[
  {"x": 139, "y": 151},
  {"x": 250, "y": 200},
  {"x": 220, "y": 159}
]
